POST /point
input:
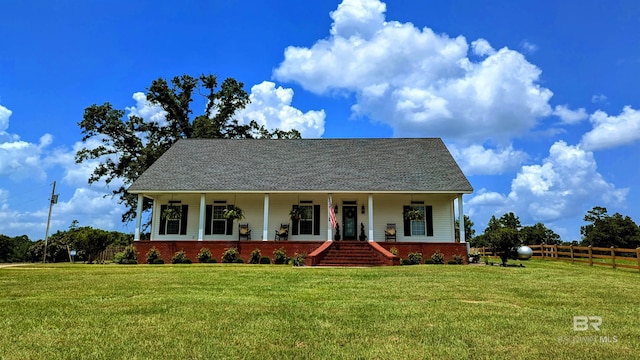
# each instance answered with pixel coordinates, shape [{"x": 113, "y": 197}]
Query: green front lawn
[{"x": 279, "y": 312}]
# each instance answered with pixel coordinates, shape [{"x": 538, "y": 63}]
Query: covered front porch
[
  {"x": 198, "y": 222},
  {"x": 359, "y": 216}
]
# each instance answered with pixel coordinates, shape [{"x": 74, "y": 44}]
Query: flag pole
[{"x": 52, "y": 200}]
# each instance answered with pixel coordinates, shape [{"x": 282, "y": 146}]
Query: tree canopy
[
  {"x": 503, "y": 235},
  {"x": 128, "y": 145},
  {"x": 469, "y": 232},
  {"x": 88, "y": 242},
  {"x": 14, "y": 249},
  {"x": 606, "y": 231},
  {"x": 538, "y": 234},
  {"x": 507, "y": 231}
]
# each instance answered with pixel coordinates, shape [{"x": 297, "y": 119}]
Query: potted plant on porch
[
  {"x": 413, "y": 213},
  {"x": 172, "y": 212},
  {"x": 297, "y": 213},
  {"x": 233, "y": 213}
]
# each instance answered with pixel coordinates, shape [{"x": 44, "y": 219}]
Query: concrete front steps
[{"x": 351, "y": 253}]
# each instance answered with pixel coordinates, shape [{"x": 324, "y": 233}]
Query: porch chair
[
  {"x": 390, "y": 232},
  {"x": 244, "y": 231},
  {"x": 283, "y": 232}
]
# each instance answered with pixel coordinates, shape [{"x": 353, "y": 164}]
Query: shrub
[
  {"x": 458, "y": 258},
  {"x": 254, "y": 258},
  {"x": 230, "y": 255},
  {"x": 238, "y": 261},
  {"x": 429, "y": 261},
  {"x": 204, "y": 255},
  {"x": 405, "y": 262},
  {"x": 128, "y": 256},
  {"x": 280, "y": 256},
  {"x": 298, "y": 259},
  {"x": 437, "y": 257},
  {"x": 415, "y": 258},
  {"x": 453, "y": 262},
  {"x": 265, "y": 260},
  {"x": 212, "y": 260},
  {"x": 394, "y": 251},
  {"x": 153, "y": 255},
  {"x": 180, "y": 257}
]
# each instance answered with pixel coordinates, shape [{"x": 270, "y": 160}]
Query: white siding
[{"x": 387, "y": 209}]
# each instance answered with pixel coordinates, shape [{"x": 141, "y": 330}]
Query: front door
[{"x": 349, "y": 222}]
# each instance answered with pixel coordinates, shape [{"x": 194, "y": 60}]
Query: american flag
[{"x": 332, "y": 214}]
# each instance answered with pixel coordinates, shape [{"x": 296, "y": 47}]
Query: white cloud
[
  {"x": 92, "y": 207},
  {"x": 488, "y": 198},
  {"x": 419, "y": 82},
  {"x": 359, "y": 18},
  {"x": 481, "y": 47},
  {"x": 599, "y": 98},
  {"x": 88, "y": 205},
  {"x": 4, "y": 197},
  {"x": 147, "y": 110},
  {"x": 19, "y": 159},
  {"x": 569, "y": 116},
  {"x": 271, "y": 107},
  {"x": 77, "y": 175},
  {"x": 4, "y": 119},
  {"x": 27, "y": 165},
  {"x": 528, "y": 47},
  {"x": 476, "y": 160},
  {"x": 611, "y": 131},
  {"x": 562, "y": 186}
]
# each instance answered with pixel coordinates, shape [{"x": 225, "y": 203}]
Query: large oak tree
[{"x": 128, "y": 145}]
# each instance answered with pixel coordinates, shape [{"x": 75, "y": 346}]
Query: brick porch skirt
[{"x": 168, "y": 248}]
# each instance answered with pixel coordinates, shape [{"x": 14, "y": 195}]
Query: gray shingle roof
[{"x": 327, "y": 165}]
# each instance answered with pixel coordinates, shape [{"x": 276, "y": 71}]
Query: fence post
[
  {"x": 613, "y": 257},
  {"x": 590, "y": 257},
  {"x": 555, "y": 251},
  {"x": 638, "y": 256},
  {"x": 542, "y": 249},
  {"x": 571, "y": 250}
]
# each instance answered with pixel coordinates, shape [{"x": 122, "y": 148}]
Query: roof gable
[{"x": 327, "y": 165}]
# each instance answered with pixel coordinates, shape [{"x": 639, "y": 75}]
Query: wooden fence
[
  {"x": 614, "y": 257},
  {"x": 107, "y": 255}
]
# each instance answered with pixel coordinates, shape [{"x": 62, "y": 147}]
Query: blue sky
[{"x": 537, "y": 100}]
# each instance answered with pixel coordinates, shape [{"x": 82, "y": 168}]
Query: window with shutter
[
  {"x": 419, "y": 227},
  {"x": 174, "y": 221},
  {"x": 306, "y": 221}
]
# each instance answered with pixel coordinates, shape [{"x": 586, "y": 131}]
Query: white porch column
[
  {"x": 461, "y": 219},
  {"x": 370, "y": 205},
  {"x": 265, "y": 218},
  {"x": 203, "y": 207},
  {"x": 136, "y": 236},
  {"x": 329, "y": 228}
]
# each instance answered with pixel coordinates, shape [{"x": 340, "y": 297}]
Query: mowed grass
[{"x": 278, "y": 312}]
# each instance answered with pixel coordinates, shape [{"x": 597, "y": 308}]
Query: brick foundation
[
  {"x": 428, "y": 249},
  {"x": 191, "y": 248}
]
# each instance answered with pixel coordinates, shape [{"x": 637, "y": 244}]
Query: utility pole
[{"x": 52, "y": 200}]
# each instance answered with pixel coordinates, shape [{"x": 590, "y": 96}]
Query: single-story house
[{"x": 367, "y": 184}]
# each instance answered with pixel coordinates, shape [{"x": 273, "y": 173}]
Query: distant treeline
[{"x": 86, "y": 241}]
